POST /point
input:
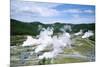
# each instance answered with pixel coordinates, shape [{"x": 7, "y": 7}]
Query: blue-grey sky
[{"x": 29, "y": 11}]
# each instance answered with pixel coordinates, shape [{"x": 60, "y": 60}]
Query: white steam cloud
[
  {"x": 56, "y": 42},
  {"x": 66, "y": 27},
  {"x": 46, "y": 38},
  {"x": 79, "y": 33},
  {"x": 30, "y": 41},
  {"x": 88, "y": 34}
]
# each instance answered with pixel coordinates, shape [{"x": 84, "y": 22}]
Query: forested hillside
[{"x": 22, "y": 28}]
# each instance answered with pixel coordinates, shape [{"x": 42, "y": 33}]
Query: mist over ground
[
  {"x": 51, "y": 33},
  {"x": 37, "y": 43}
]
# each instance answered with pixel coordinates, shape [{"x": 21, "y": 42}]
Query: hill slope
[{"x": 22, "y": 28}]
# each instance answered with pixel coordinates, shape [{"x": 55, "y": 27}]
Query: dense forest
[{"x": 23, "y": 28}]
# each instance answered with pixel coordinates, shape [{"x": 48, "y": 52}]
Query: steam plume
[{"x": 88, "y": 34}]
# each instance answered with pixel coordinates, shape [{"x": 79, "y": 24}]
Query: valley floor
[{"x": 83, "y": 50}]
